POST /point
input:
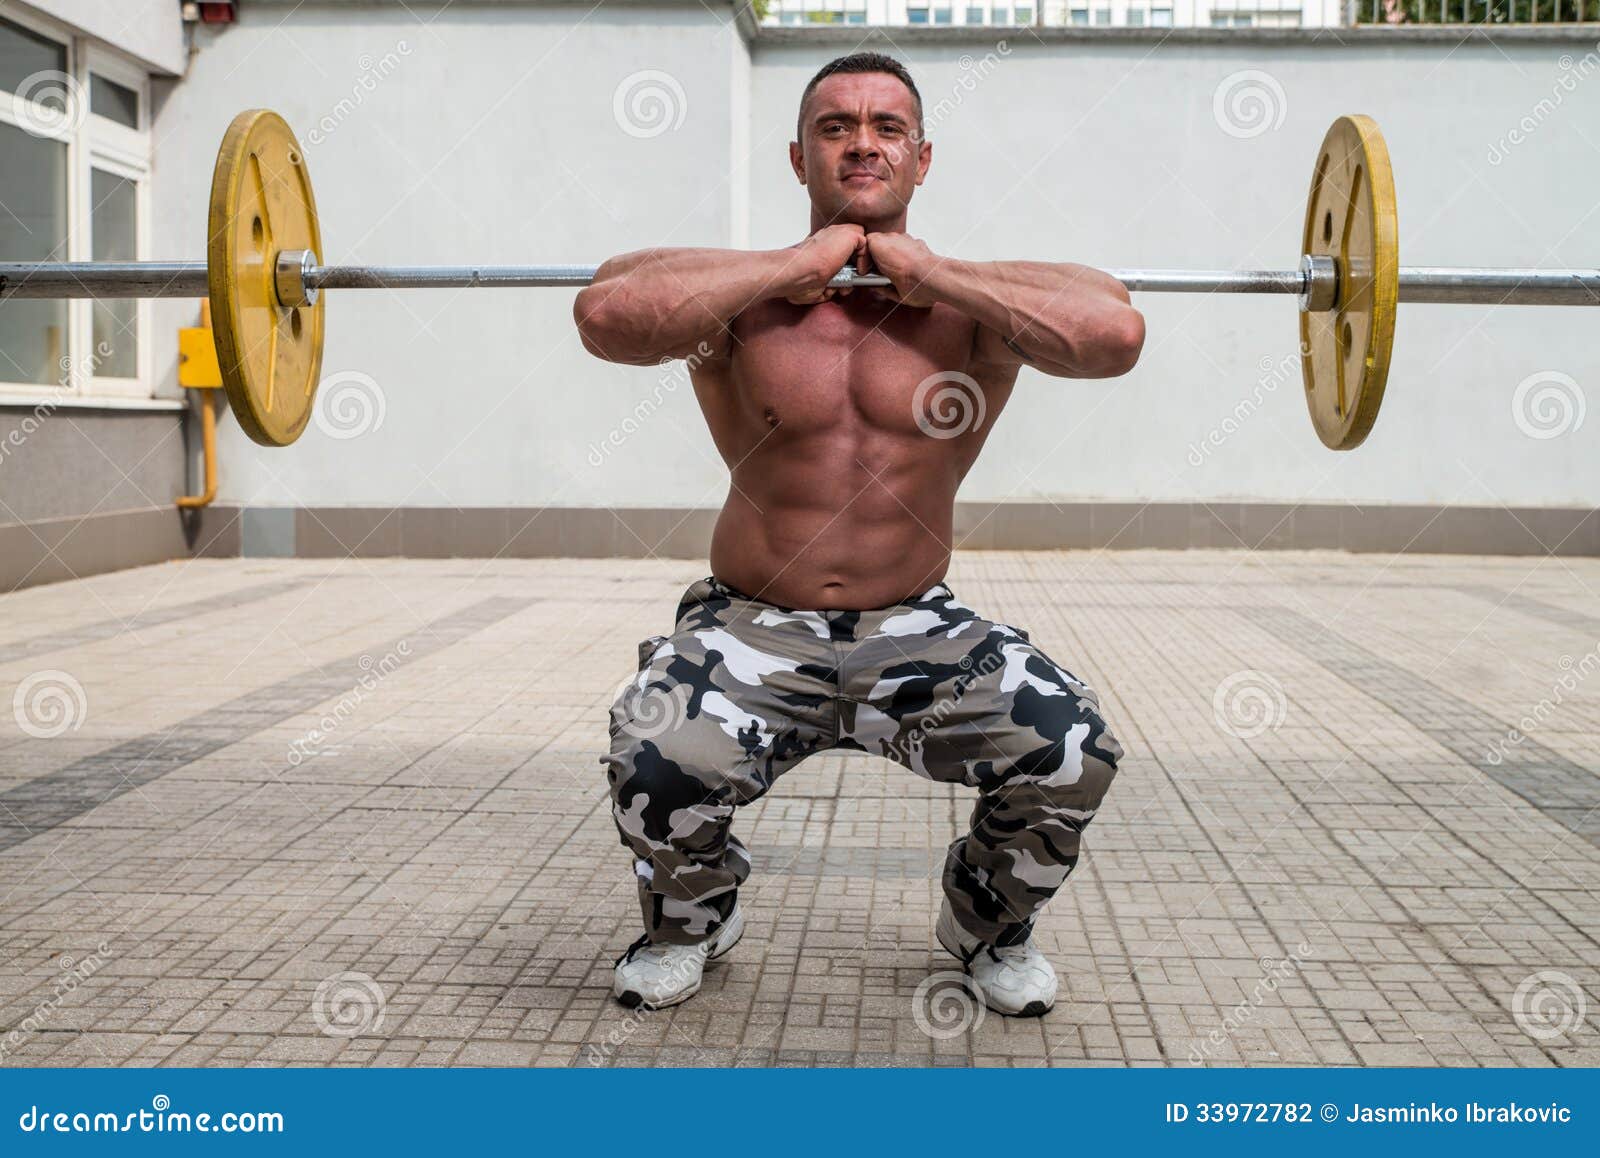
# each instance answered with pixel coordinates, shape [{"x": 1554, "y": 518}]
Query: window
[
  {"x": 1136, "y": 18},
  {"x": 1102, "y": 15},
  {"x": 1080, "y": 16},
  {"x": 916, "y": 15},
  {"x": 1264, "y": 18},
  {"x": 1161, "y": 17},
  {"x": 1024, "y": 15},
  {"x": 74, "y": 183},
  {"x": 114, "y": 231},
  {"x": 111, "y": 100},
  {"x": 976, "y": 15},
  {"x": 33, "y": 188},
  {"x": 943, "y": 16}
]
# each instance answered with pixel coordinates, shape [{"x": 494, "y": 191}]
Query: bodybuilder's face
[{"x": 860, "y": 155}]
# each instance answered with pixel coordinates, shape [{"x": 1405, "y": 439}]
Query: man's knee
[
  {"x": 1064, "y": 752},
  {"x": 659, "y": 801}
]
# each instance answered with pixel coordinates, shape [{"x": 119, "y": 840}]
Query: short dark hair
[{"x": 858, "y": 62}]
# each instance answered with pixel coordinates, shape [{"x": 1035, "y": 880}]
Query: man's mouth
[{"x": 860, "y": 175}]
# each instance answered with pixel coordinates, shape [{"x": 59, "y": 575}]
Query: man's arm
[
  {"x": 1071, "y": 321},
  {"x": 668, "y": 303}
]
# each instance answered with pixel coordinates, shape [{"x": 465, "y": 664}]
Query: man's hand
[
  {"x": 906, "y": 262},
  {"x": 824, "y": 254}
]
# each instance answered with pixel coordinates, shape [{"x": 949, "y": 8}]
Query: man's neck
[{"x": 895, "y": 224}]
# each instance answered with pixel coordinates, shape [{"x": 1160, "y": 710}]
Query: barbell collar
[{"x": 1319, "y": 277}]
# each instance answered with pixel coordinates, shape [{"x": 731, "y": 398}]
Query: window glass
[
  {"x": 33, "y": 227},
  {"x": 111, "y": 100},
  {"x": 24, "y": 54},
  {"x": 114, "y": 231}
]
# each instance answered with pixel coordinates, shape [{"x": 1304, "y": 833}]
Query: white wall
[
  {"x": 1110, "y": 154},
  {"x": 493, "y": 138},
  {"x": 151, "y": 30},
  {"x": 487, "y": 135}
]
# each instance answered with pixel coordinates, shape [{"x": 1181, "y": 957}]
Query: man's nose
[{"x": 865, "y": 144}]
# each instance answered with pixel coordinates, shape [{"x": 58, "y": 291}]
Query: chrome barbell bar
[{"x": 299, "y": 279}]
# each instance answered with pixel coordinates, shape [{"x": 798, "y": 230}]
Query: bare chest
[{"x": 812, "y": 367}]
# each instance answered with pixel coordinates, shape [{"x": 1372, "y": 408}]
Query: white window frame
[{"x": 93, "y": 142}]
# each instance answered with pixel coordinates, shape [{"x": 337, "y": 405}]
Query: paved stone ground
[{"x": 351, "y": 813}]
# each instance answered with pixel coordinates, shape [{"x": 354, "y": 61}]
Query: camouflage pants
[{"x": 743, "y": 690}]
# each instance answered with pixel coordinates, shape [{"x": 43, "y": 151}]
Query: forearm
[
  {"x": 1065, "y": 319},
  {"x": 658, "y": 303}
]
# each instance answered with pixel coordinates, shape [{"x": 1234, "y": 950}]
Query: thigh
[
  {"x": 975, "y": 701},
  {"x": 721, "y": 702}
]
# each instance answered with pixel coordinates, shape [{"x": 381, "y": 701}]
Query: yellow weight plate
[
  {"x": 261, "y": 203},
  {"x": 1350, "y": 216}
]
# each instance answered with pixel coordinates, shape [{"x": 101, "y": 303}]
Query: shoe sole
[{"x": 633, "y": 999}]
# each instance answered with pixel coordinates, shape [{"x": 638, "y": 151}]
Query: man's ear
[
  {"x": 924, "y": 158},
  {"x": 797, "y": 161}
]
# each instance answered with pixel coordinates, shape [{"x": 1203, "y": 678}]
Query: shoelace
[
  {"x": 1009, "y": 954},
  {"x": 665, "y": 952}
]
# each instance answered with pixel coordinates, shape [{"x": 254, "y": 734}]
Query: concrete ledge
[
  {"x": 51, "y": 550},
  {"x": 583, "y": 532}
]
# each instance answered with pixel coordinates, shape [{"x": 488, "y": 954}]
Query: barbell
[{"x": 264, "y": 276}]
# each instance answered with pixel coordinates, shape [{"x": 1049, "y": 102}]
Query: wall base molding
[
  {"x": 51, "y": 550},
  {"x": 635, "y": 532}
]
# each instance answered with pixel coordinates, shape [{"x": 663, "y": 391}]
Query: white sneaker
[
  {"x": 1015, "y": 980},
  {"x": 656, "y": 976}
]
